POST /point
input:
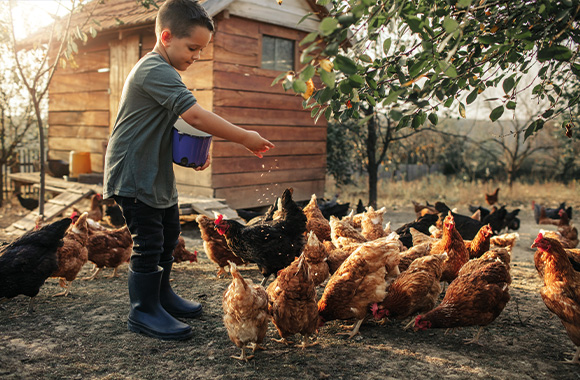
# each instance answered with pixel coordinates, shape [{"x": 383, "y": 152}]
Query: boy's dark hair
[{"x": 180, "y": 16}]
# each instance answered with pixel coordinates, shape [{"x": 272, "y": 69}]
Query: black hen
[
  {"x": 272, "y": 245},
  {"x": 29, "y": 260},
  {"x": 496, "y": 219},
  {"x": 466, "y": 225},
  {"x": 114, "y": 216},
  {"x": 421, "y": 224},
  {"x": 483, "y": 212},
  {"x": 27, "y": 203},
  {"x": 552, "y": 213},
  {"x": 511, "y": 220}
]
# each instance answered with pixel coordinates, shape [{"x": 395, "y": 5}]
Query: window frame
[{"x": 277, "y": 37}]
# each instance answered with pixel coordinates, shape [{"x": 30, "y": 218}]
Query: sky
[{"x": 29, "y": 15}]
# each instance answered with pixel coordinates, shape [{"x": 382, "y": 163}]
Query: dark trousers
[{"x": 155, "y": 233}]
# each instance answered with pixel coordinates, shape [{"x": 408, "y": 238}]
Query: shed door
[{"x": 124, "y": 55}]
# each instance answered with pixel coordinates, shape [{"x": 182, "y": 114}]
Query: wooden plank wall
[
  {"x": 199, "y": 79},
  {"x": 244, "y": 96},
  {"x": 78, "y": 115}
]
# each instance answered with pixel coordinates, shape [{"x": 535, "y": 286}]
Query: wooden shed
[{"x": 255, "y": 41}]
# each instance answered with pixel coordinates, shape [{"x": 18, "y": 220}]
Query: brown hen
[
  {"x": 561, "y": 290},
  {"x": 246, "y": 316},
  {"x": 416, "y": 290},
  {"x": 452, "y": 243},
  {"x": 109, "y": 248},
  {"x": 359, "y": 282},
  {"x": 215, "y": 245},
  {"x": 72, "y": 255},
  {"x": 475, "y": 298},
  {"x": 316, "y": 256},
  {"x": 315, "y": 221},
  {"x": 292, "y": 302}
]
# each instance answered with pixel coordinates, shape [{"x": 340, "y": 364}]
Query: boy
[{"x": 139, "y": 170}]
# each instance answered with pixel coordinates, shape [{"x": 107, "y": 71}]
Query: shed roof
[{"x": 125, "y": 14}]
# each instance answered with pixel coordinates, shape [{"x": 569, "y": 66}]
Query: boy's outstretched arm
[{"x": 215, "y": 125}]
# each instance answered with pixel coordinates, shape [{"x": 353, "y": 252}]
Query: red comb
[
  {"x": 540, "y": 236},
  {"x": 219, "y": 219}
]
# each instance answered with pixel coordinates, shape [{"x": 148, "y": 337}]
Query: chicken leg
[
  {"x": 575, "y": 359},
  {"x": 67, "y": 288},
  {"x": 263, "y": 283},
  {"x": 243, "y": 356},
  {"x": 475, "y": 339},
  {"x": 355, "y": 329},
  {"x": 115, "y": 274},
  {"x": 93, "y": 275},
  {"x": 306, "y": 342}
]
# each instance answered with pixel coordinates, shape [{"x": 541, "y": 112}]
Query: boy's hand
[
  {"x": 205, "y": 166},
  {"x": 257, "y": 144}
]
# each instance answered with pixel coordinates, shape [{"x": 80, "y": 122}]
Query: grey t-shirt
[{"x": 138, "y": 163}]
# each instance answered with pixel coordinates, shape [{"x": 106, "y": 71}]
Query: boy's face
[{"x": 182, "y": 52}]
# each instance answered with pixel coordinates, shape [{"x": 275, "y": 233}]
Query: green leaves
[
  {"x": 508, "y": 84},
  {"x": 345, "y": 64},
  {"x": 450, "y": 25},
  {"x": 327, "y": 78},
  {"x": 328, "y": 26},
  {"x": 496, "y": 113},
  {"x": 557, "y": 52},
  {"x": 456, "y": 50}
]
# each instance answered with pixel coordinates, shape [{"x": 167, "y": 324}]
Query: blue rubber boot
[
  {"x": 174, "y": 304},
  {"x": 147, "y": 316}
]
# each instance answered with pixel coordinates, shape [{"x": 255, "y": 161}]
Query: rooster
[
  {"x": 246, "y": 316},
  {"x": 561, "y": 290},
  {"x": 28, "y": 261},
  {"x": 360, "y": 281},
  {"x": 73, "y": 255},
  {"x": 271, "y": 245},
  {"x": 292, "y": 302}
]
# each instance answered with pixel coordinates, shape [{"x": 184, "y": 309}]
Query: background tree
[
  {"x": 457, "y": 48},
  {"x": 60, "y": 46},
  {"x": 17, "y": 119}
]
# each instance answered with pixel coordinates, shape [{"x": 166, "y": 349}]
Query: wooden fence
[{"x": 27, "y": 161}]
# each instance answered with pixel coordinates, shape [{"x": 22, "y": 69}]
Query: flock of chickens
[
  {"x": 364, "y": 268},
  {"x": 356, "y": 263},
  {"x": 62, "y": 248}
]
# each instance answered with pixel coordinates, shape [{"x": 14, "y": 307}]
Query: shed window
[{"x": 277, "y": 53}]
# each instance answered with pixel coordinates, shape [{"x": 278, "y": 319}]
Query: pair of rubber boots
[{"x": 155, "y": 307}]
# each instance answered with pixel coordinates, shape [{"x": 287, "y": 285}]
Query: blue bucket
[{"x": 190, "y": 145}]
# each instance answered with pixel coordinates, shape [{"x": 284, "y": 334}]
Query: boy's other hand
[
  {"x": 204, "y": 166},
  {"x": 257, "y": 144}
]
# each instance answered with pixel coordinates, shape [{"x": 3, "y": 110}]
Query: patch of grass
[{"x": 456, "y": 193}]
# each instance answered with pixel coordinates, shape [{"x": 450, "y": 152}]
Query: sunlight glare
[{"x": 31, "y": 15}]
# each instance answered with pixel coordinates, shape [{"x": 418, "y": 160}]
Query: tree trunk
[{"x": 373, "y": 165}]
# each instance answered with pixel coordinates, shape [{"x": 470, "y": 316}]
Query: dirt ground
[{"x": 84, "y": 336}]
